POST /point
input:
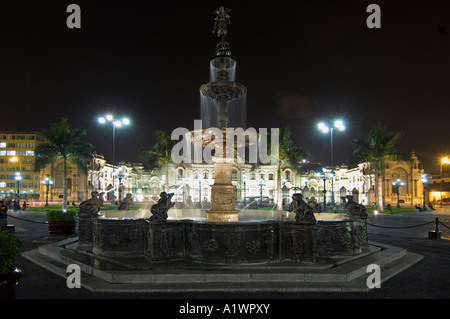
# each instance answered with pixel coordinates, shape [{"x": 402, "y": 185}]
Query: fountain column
[{"x": 223, "y": 194}]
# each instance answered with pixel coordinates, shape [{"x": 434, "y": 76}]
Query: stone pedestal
[{"x": 223, "y": 196}]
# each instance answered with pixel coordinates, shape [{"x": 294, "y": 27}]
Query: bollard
[{"x": 435, "y": 234}]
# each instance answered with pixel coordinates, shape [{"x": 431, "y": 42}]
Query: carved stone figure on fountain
[
  {"x": 92, "y": 205},
  {"x": 126, "y": 202},
  {"x": 354, "y": 209},
  {"x": 317, "y": 207},
  {"x": 160, "y": 209},
  {"x": 88, "y": 211},
  {"x": 303, "y": 211}
]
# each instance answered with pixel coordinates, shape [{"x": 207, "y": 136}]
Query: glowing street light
[
  {"x": 424, "y": 180},
  {"x": 109, "y": 118},
  {"x": 325, "y": 128},
  {"x": 398, "y": 183},
  {"x": 47, "y": 182},
  {"x": 18, "y": 178}
]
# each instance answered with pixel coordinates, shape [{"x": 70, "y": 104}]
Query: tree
[
  {"x": 288, "y": 155},
  {"x": 377, "y": 148},
  {"x": 159, "y": 154},
  {"x": 63, "y": 141}
]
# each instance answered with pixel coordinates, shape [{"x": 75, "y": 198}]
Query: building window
[
  {"x": 3, "y": 145},
  {"x": 287, "y": 175}
]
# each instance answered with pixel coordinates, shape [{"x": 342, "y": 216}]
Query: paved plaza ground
[{"x": 428, "y": 279}]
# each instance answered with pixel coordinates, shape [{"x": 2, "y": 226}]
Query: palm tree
[
  {"x": 377, "y": 148},
  {"x": 288, "y": 155},
  {"x": 159, "y": 154},
  {"x": 63, "y": 141}
]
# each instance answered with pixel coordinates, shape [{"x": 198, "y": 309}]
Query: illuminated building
[{"x": 17, "y": 156}]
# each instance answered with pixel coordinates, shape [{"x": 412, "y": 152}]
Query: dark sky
[{"x": 301, "y": 61}]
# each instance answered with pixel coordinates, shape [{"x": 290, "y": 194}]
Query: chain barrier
[
  {"x": 436, "y": 223},
  {"x": 441, "y": 223},
  {"x": 401, "y": 227}
]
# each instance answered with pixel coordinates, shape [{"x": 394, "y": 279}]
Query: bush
[
  {"x": 9, "y": 250},
  {"x": 59, "y": 216}
]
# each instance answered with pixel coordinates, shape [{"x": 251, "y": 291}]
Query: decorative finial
[{"x": 221, "y": 21}]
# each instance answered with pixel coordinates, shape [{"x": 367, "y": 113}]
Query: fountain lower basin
[{"x": 259, "y": 236}]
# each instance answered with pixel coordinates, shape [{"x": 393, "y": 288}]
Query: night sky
[{"x": 301, "y": 61}]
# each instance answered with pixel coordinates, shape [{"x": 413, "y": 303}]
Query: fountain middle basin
[{"x": 259, "y": 236}]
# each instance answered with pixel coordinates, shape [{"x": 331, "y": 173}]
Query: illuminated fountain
[
  {"x": 162, "y": 249},
  {"x": 224, "y": 237}
]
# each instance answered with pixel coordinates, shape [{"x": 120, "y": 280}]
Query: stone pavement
[{"x": 429, "y": 278}]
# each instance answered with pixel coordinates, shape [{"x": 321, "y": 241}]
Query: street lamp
[
  {"x": 424, "y": 182},
  {"x": 444, "y": 160},
  {"x": 324, "y": 188},
  {"x": 333, "y": 203},
  {"x": 325, "y": 128},
  {"x": 47, "y": 182},
  {"x": 114, "y": 123},
  {"x": 18, "y": 178},
  {"x": 261, "y": 183},
  {"x": 244, "y": 177},
  {"x": 398, "y": 183}
]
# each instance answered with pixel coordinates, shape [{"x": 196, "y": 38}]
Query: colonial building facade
[{"x": 191, "y": 183}]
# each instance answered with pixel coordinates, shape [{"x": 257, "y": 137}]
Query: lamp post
[
  {"x": 424, "y": 182},
  {"x": 444, "y": 160},
  {"x": 200, "y": 191},
  {"x": 244, "y": 177},
  {"x": 114, "y": 123},
  {"x": 47, "y": 182},
  {"x": 18, "y": 178},
  {"x": 261, "y": 183},
  {"x": 333, "y": 202},
  {"x": 325, "y": 128},
  {"x": 324, "y": 177},
  {"x": 398, "y": 183}
]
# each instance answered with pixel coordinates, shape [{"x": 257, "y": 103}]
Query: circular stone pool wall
[{"x": 228, "y": 243}]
